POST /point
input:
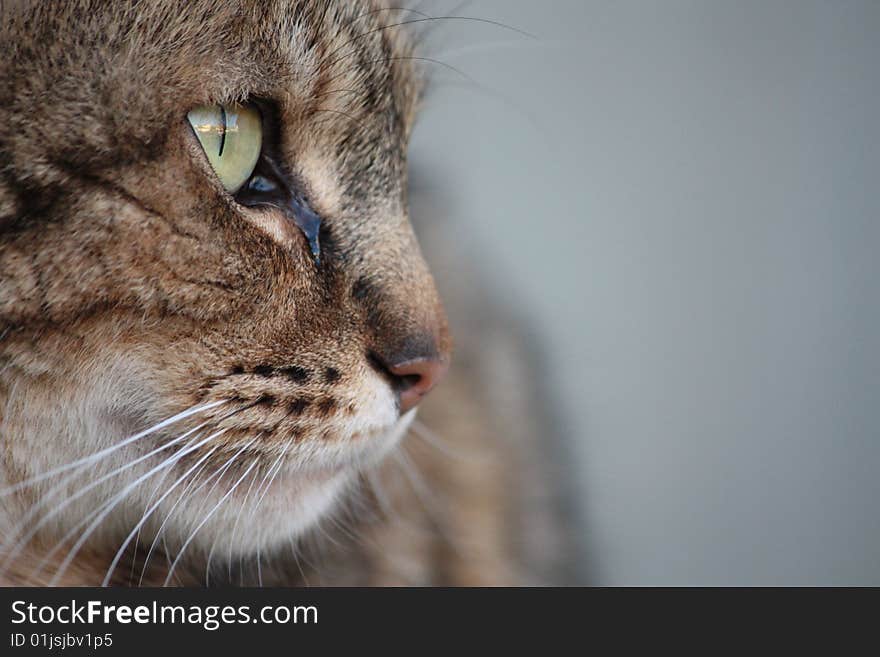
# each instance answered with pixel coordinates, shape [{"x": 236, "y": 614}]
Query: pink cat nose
[{"x": 416, "y": 378}]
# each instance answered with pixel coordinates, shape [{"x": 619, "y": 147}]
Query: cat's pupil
[{"x": 223, "y": 132}]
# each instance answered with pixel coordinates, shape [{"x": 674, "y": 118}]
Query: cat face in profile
[{"x": 210, "y": 293}]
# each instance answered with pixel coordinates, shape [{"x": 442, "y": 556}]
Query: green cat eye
[{"x": 232, "y": 136}]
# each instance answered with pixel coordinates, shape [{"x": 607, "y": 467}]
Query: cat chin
[
  {"x": 294, "y": 503},
  {"x": 284, "y": 515}
]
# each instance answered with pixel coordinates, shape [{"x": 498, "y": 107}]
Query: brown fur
[{"x": 132, "y": 287}]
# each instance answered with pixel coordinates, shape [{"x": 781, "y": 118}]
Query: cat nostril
[
  {"x": 416, "y": 378},
  {"x": 412, "y": 379}
]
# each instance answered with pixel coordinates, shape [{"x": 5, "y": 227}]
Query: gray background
[{"x": 680, "y": 201}]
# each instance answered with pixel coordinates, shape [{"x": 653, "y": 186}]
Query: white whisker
[
  {"x": 160, "y": 531},
  {"x": 216, "y": 476},
  {"x": 232, "y": 533},
  {"x": 149, "y": 512},
  {"x": 205, "y": 519},
  {"x": 238, "y": 516},
  {"x": 276, "y": 466},
  {"x": 423, "y": 493},
  {"x": 422, "y": 432},
  {"x": 234, "y": 527},
  {"x": 104, "y": 452},
  {"x": 381, "y": 497},
  {"x": 294, "y": 552},
  {"x": 137, "y": 538},
  {"x": 259, "y": 569},
  {"x": 23, "y": 541},
  {"x": 109, "y": 506}
]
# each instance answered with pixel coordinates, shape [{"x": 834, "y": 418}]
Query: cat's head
[{"x": 203, "y": 218}]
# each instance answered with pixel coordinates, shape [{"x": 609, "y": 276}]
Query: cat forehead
[{"x": 344, "y": 54}]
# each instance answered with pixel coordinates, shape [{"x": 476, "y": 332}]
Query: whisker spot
[
  {"x": 264, "y": 370},
  {"x": 297, "y": 406},
  {"x": 327, "y": 405},
  {"x": 296, "y": 374}
]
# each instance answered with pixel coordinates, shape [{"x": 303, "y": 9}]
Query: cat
[{"x": 216, "y": 323}]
